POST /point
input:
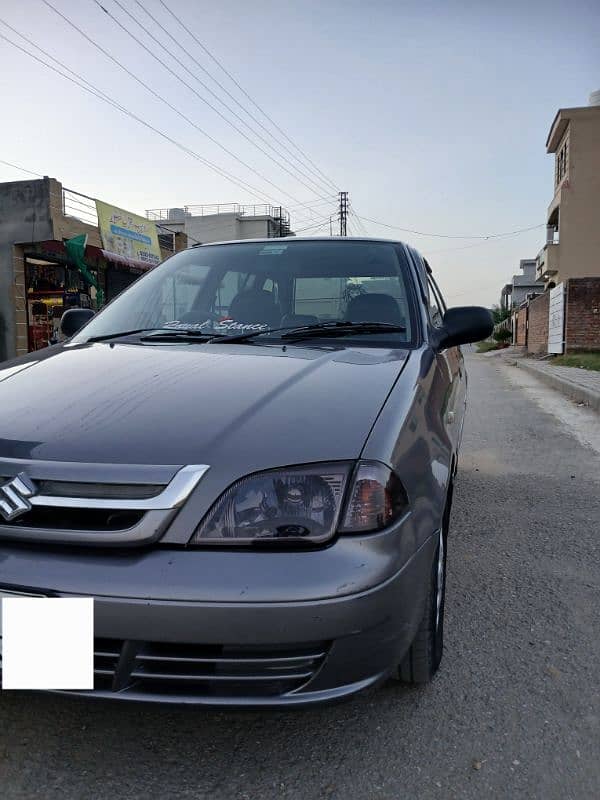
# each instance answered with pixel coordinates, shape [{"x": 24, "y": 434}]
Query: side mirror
[
  {"x": 74, "y": 319},
  {"x": 465, "y": 324}
]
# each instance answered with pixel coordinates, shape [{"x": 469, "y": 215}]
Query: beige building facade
[{"x": 572, "y": 248}]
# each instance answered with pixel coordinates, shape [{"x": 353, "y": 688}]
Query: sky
[{"x": 432, "y": 115}]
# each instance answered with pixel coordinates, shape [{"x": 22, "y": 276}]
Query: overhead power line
[
  {"x": 88, "y": 87},
  {"x": 22, "y": 169},
  {"x": 166, "y": 102},
  {"x": 178, "y": 77},
  {"x": 480, "y": 243},
  {"x": 317, "y": 226},
  {"x": 315, "y": 204},
  {"x": 453, "y": 236},
  {"x": 245, "y": 93},
  {"x": 79, "y": 80},
  {"x": 358, "y": 221},
  {"x": 279, "y": 144},
  {"x": 315, "y": 219}
]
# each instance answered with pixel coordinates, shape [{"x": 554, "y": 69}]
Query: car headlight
[{"x": 304, "y": 504}]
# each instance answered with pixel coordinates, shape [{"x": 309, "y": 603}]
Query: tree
[
  {"x": 499, "y": 314},
  {"x": 503, "y": 335}
]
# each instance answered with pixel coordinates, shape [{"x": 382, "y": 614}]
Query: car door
[
  {"x": 450, "y": 360},
  {"x": 447, "y": 390}
]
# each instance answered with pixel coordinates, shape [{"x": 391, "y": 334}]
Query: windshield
[{"x": 260, "y": 286}]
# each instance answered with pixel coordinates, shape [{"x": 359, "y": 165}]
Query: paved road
[{"x": 514, "y": 712}]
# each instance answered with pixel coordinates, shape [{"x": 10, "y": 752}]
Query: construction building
[{"x": 224, "y": 222}]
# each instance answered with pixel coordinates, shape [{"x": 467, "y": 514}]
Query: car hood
[{"x": 249, "y": 405}]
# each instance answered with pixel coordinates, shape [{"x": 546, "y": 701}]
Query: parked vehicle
[{"x": 248, "y": 460}]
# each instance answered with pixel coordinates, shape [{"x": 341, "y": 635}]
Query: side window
[
  {"x": 433, "y": 303},
  {"x": 436, "y": 304}
]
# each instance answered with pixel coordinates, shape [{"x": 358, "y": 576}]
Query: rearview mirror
[
  {"x": 465, "y": 324},
  {"x": 74, "y": 319}
]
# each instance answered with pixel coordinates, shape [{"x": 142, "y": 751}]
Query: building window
[{"x": 562, "y": 162}]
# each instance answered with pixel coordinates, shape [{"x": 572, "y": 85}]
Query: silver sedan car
[{"x": 247, "y": 459}]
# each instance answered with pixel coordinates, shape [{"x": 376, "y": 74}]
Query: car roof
[
  {"x": 308, "y": 239},
  {"x": 274, "y": 240}
]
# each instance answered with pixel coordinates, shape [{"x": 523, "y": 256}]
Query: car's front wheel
[{"x": 423, "y": 658}]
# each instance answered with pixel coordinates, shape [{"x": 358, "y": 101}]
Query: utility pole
[{"x": 343, "y": 212}]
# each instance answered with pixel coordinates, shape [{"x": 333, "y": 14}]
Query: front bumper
[{"x": 238, "y": 653}]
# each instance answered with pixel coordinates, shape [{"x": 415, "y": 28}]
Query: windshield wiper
[
  {"x": 106, "y": 336},
  {"x": 155, "y": 334},
  {"x": 180, "y": 335},
  {"x": 317, "y": 330},
  {"x": 342, "y": 329}
]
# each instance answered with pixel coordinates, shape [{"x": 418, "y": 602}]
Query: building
[
  {"x": 522, "y": 286},
  {"x": 220, "y": 223},
  {"x": 572, "y": 248},
  {"x": 40, "y": 277}
]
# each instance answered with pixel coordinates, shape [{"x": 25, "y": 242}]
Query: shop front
[
  {"x": 55, "y": 283},
  {"x": 61, "y": 249}
]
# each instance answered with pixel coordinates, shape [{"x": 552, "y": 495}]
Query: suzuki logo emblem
[{"x": 14, "y": 497}]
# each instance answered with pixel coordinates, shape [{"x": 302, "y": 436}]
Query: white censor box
[{"x": 47, "y": 642}]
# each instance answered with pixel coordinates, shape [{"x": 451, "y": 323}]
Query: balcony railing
[
  {"x": 80, "y": 206},
  {"x": 179, "y": 214},
  {"x": 547, "y": 261}
]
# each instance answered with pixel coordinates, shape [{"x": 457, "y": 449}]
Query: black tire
[{"x": 424, "y": 656}]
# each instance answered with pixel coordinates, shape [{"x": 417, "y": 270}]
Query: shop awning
[
  {"x": 115, "y": 258},
  {"x": 93, "y": 254}
]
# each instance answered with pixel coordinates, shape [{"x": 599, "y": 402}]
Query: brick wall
[
  {"x": 521, "y": 327},
  {"x": 537, "y": 335},
  {"x": 582, "y": 314}
]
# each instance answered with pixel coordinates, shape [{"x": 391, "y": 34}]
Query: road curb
[{"x": 571, "y": 390}]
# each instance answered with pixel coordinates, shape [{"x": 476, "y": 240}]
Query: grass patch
[
  {"x": 582, "y": 360},
  {"x": 485, "y": 346}
]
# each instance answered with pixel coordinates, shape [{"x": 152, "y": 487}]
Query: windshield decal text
[{"x": 217, "y": 327}]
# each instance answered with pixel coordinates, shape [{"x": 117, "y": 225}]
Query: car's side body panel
[{"x": 413, "y": 436}]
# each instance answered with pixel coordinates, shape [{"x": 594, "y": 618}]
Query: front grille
[
  {"x": 76, "y": 519},
  {"x": 106, "y": 657},
  {"x": 158, "y": 668},
  {"x": 117, "y": 491},
  {"x": 106, "y": 491},
  {"x": 80, "y": 503}
]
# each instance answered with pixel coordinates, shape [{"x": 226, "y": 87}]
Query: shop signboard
[{"x": 127, "y": 234}]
